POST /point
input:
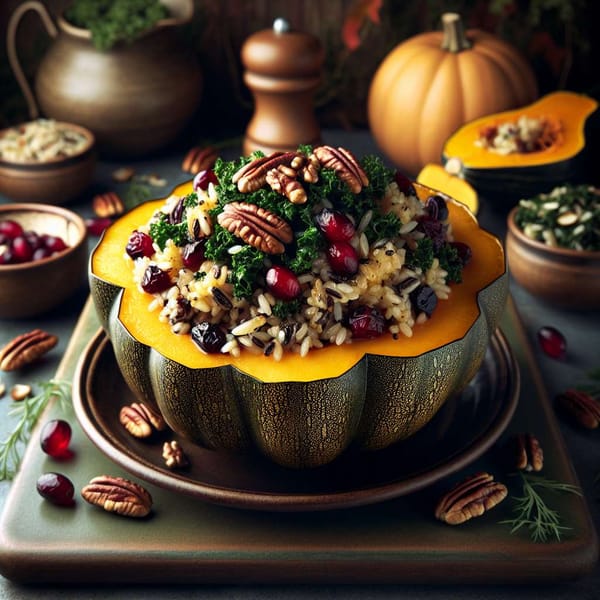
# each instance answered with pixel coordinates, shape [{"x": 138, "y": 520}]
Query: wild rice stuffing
[{"x": 362, "y": 255}]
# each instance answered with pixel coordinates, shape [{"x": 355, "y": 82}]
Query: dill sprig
[
  {"x": 533, "y": 513},
  {"x": 29, "y": 411}
]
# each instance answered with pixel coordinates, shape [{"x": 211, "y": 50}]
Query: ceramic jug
[{"x": 135, "y": 97}]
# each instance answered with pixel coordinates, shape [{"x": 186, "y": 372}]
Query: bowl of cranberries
[{"x": 43, "y": 258}]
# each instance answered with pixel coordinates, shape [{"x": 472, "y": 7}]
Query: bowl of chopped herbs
[{"x": 553, "y": 246}]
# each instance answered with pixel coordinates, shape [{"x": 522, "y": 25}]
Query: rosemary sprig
[
  {"x": 533, "y": 513},
  {"x": 29, "y": 411}
]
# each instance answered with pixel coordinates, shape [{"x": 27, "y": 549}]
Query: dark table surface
[{"x": 581, "y": 330}]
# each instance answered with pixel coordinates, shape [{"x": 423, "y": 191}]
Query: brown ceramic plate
[{"x": 462, "y": 431}]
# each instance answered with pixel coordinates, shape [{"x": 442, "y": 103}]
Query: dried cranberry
[
  {"x": 34, "y": 240},
  {"x": 424, "y": 299},
  {"x": 464, "y": 252},
  {"x": 366, "y": 322},
  {"x": 336, "y": 226},
  {"x": 97, "y": 225},
  {"x": 155, "y": 280},
  {"x": 41, "y": 253},
  {"x": 282, "y": 283},
  {"x": 343, "y": 258},
  {"x": 55, "y": 438},
  {"x": 22, "y": 251},
  {"x": 193, "y": 255},
  {"x": 405, "y": 185},
  {"x": 56, "y": 488},
  {"x": 11, "y": 228},
  {"x": 208, "y": 337},
  {"x": 203, "y": 178},
  {"x": 552, "y": 342},
  {"x": 433, "y": 229},
  {"x": 437, "y": 208},
  {"x": 176, "y": 215},
  {"x": 139, "y": 244}
]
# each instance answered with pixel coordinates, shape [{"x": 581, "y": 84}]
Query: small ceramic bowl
[
  {"x": 53, "y": 181},
  {"x": 560, "y": 276},
  {"x": 31, "y": 288}
]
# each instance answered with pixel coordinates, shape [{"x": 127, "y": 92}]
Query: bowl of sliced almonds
[
  {"x": 46, "y": 161},
  {"x": 553, "y": 246}
]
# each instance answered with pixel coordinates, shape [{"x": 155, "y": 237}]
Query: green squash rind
[{"x": 372, "y": 405}]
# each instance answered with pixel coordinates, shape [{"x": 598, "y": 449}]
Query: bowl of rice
[
  {"x": 553, "y": 246},
  {"x": 46, "y": 161},
  {"x": 298, "y": 304}
]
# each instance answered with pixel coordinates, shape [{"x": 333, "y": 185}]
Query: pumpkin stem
[{"x": 454, "y": 39}]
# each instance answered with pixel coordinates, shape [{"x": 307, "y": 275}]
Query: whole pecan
[
  {"x": 583, "y": 408},
  {"x": 342, "y": 161},
  {"x": 199, "y": 159},
  {"x": 108, "y": 204},
  {"x": 253, "y": 175},
  {"x": 529, "y": 455},
  {"x": 140, "y": 420},
  {"x": 118, "y": 495},
  {"x": 470, "y": 498},
  {"x": 25, "y": 349},
  {"x": 256, "y": 226}
]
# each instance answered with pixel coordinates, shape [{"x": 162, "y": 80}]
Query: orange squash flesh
[
  {"x": 450, "y": 321},
  {"x": 567, "y": 107}
]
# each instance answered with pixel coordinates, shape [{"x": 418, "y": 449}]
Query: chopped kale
[
  {"x": 450, "y": 261},
  {"x": 161, "y": 231},
  {"x": 246, "y": 266},
  {"x": 308, "y": 245},
  {"x": 282, "y": 310},
  {"x": 422, "y": 256}
]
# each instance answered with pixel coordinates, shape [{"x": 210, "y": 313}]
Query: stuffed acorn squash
[{"x": 221, "y": 349}]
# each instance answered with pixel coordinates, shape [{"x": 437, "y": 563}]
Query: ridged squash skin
[
  {"x": 508, "y": 178},
  {"x": 301, "y": 412}
]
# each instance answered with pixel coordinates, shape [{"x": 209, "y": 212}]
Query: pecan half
[
  {"x": 174, "y": 456},
  {"x": 140, "y": 420},
  {"x": 26, "y": 349},
  {"x": 287, "y": 185},
  {"x": 529, "y": 455},
  {"x": 256, "y": 226},
  {"x": 253, "y": 175},
  {"x": 123, "y": 174},
  {"x": 199, "y": 159},
  {"x": 20, "y": 391},
  {"x": 118, "y": 495},
  {"x": 583, "y": 408},
  {"x": 342, "y": 161},
  {"x": 108, "y": 204},
  {"x": 470, "y": 498}
]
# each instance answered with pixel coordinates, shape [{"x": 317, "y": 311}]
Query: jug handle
[{"x": 11, "y": 48}]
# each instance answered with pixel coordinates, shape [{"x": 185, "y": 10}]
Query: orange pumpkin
[{"x": 433, "y": 83}]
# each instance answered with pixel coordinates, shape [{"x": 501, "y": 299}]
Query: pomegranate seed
[
  {"x": 55, "y": 438},
  {"x": 96, "y": 226},
  {"x": 283, "y": 283},
  {"x": 41, "y": 253},
  {"x": 552, "y": 342},
  {"x": 6, "y": 256},
  {"x": 404, "y": 184},
  {"x": 22, "y": 251},
  {"x": 203, "y": 178},
  {"x": 155, "y": 280},
  {"x": 193, "y": 255},
  {"x": 343, "y": 258},
  {"x": 34, "y": 240},
  {"x": 208, "y": 337},
  {"x": 336, "y": 226},
  {"x": 139, "y": 244},
  {"x": 56, "y": 488},
  {"x": 11, "y": 229},
  {"x": 366, "y": 322}
]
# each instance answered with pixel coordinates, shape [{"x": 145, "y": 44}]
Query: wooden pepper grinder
[{"x": 282, "y": 70}]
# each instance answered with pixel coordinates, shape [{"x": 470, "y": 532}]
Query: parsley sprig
[
  {"x": 29, "y": 411},
  {"x": 533, "y": 513}
]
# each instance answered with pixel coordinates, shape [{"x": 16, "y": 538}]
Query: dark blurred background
[{"x": 559, "y": 37}]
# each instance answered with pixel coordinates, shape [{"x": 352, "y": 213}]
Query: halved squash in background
[{"x": 505, "y": 178}]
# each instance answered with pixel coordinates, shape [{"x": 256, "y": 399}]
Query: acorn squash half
[
  {"x": 301, "y": 412},
  {"x": 505, "y": 179}
]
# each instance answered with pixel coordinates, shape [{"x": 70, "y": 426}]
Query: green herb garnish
[
  {"x": 113, "y": 21},
  {"x": 161, "y": 231},
  {"x": 29, "y": 411},
  {"x": 422, "y": 256},
  {"x": 532, "y": 512}
]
